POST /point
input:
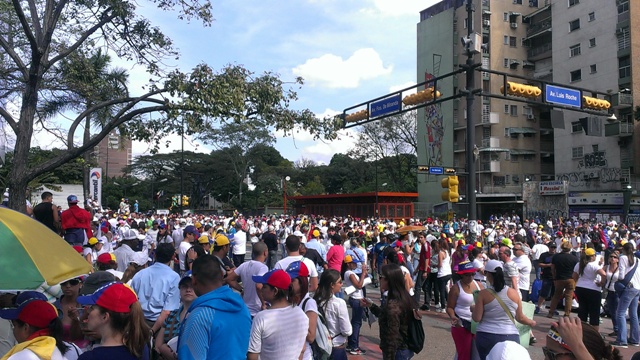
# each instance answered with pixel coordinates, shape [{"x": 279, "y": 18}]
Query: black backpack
[{"x": 415, "y": 341}]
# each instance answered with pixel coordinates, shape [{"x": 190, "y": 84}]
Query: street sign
[
  {"x": 436, "y": 170},
  {"x": 563, "y": 96},
  {"x": 385, "y": 106}
]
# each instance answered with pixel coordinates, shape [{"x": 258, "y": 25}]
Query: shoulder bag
[{"x": 621, "y": 285}]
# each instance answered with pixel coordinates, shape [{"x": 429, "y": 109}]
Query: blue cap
[
  {"x": 296, "y": 269},
  {"x": 72, "y": 199}
]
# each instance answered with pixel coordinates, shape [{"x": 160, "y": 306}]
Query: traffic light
[
  {"x": 420, "y": 97},
  {"x": 595, "y": 103},
  {"x": 185, "y": 200},
  {"x": 357, "y": 116},
  {"x": 451, "y": 184},
  {"x": 521, "y": 90}
]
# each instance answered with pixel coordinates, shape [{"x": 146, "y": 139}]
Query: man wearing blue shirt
[
  {"x": 218, "y": 324},
  {"x": 157, "y": 288}
]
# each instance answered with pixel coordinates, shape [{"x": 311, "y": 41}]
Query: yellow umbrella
[{"x": 33, "y": 254}]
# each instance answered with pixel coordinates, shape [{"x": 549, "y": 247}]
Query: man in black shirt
[
  {"x": 271, "y": 240},
  {"x": 47, "y": 213},
  {"x": 562, "y": 265},
  {"x": 313, "y": 255},
  {"x": 546, "y": 275}
]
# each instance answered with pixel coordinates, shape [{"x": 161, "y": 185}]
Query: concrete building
[
  {"x": 113, "y": 154},
  {"x": 583, "y": 43}
]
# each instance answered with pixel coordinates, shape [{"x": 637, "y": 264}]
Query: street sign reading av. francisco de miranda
[
  {"x": 563, "y": 96},
  {"x": 385, "y": 106}
]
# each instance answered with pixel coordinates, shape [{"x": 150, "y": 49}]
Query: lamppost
[{"x": 284, "y": 188}]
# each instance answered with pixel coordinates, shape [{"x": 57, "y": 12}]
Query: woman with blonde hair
[{"x": 116, "y": 315}]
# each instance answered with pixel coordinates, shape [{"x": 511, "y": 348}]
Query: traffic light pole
[{"x": 471, "y": 131}]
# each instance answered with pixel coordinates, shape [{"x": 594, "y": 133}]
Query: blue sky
[{"x": 348, "y": 51}]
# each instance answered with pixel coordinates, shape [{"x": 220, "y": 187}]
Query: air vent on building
[
  {"x": 514, "y": 25},
  {"x": 530, "y": 117}
]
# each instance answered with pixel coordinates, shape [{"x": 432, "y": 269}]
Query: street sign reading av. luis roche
[
  {"x": 385, "y": 106},
  {"x": 436, "y": 170},
  {"x": 563, "y": 96}
]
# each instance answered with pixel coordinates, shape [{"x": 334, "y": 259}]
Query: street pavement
[{"x": 439, "y": 344}]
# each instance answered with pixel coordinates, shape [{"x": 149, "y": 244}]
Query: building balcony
[
  {"x": 620, "y": 100},
  {"x": 539, "y": 52},
  {"x": 492, "y": 142},
  {"x": 618, "y": 128},
  {"x": 490, "y": 166},
  {"x": 458, "y": 147},
  {"x": 490, "y": 119},
  {"x": 546, "y": 146},
  {"x": 547, "y": 169},
  {"x": 539, "y": 28}
]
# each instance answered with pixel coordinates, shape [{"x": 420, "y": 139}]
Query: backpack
[
  {"x": 322, "y": 346},
  {"x": 415, "y": 341}
]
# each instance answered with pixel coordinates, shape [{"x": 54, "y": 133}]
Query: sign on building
[
  {"x": 95, "y": 185},
  {"x": 553, "y": 188}
]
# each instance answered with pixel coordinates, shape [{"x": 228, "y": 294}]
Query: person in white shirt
[
  {"x": 292, "y": 245},
  {"x": 351, "y": 279},
  {"x": 239, "y": 245},
  {"x": 628, "y": 298},
  {"x": 279, "y": 332},
  {"x": 537, "y": 250},
  {"x": 251, "y": 292},
  {"x": 589, "y": 287},
  {"x": 334, "y": 310},
  {"x": 521, "y": 259}
]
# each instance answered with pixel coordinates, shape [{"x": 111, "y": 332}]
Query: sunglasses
[
  {"x": 613, "y": 257},
  {"x": 553, "y": 355},
  {"x": 72, "y": 282}
]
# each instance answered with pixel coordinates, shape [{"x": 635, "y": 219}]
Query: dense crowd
[{"x": 295, "y": 287}]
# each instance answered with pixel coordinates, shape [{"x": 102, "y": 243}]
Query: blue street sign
[
  {"x": 436, "y": 170},
  {"x": 563, "y": 96},
  {"x": 385, "y": 106}
]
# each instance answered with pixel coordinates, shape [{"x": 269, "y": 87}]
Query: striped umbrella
[{"x": 32, "y": 254}]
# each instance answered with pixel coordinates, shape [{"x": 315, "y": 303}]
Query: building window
[
  {"x": 507, "y": 132},
  {"x": 506, "y": 109},
  {"x": 517, "y": 2},
  {"x": 593, "y": 68},
  {"x": 592, "y": 16},
  {"x": 526, "y": 111},
  {"x": 577, "y": 152},
  {"x": 505, "y": 62},
  {"x": 623, "y": 6},
  {"x": 507, "y": 156},
  {"x": 576, "y": 75},
  {"x": 574, "y": 25},
  {"x": 594, "y": 147},
  {"x": 624, "y": 67},
  {"x": 573, "y": 2},
  {"x": 514, "y": 110},
  {"x": 513, "y": 41},
  {"x": 506, "y": 40},
  {"x": 592, "y": 42},
  {"x": 507, "y": 179},
  {"x": 576, "y": 127},
  {"x": 505, "y": 16},
  {"x": 574, "y": 50},
  {"x": 624, "y": 38}
]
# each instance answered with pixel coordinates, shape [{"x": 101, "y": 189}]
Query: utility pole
[
  {"x": 471, "y": 129},
  {"x": 182, "y": 168}
]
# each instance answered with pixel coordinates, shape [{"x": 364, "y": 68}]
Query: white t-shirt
[
  {"x": 279, "y": 333},
  {"x": 588, "y": 278},
  {"x": 284, "y": 263},
  {"x": 537, "y": 250},
  {"x": 250, "y": 295},
  {"x": 310, "y": 305},
  {"x": 358, "y": 294},
  {"x": 240, "y": 243},
  {"x": 253, "y": 230},
  {"x": 524, "y": 268},
  {"x": 182, "y": 254},
  {"x": 478, "y": 264}
]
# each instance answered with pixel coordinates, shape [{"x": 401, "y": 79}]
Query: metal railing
[
  {"x": 539, "y": 27},
  {"x": 539, "y": 50}
]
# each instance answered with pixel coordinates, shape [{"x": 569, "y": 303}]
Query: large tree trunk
[{"x": 87, "y": 158}]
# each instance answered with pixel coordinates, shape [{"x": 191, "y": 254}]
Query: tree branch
[
  {"x": 16, "y": 59},
  {"x": 34, "y": 17},
  {"x": 79, "y": 42},
  {"x": 51, "y": 19},
  {"x": 10, "y": 120},
  {"x": 73, "y": 153},
  {"x": 25, "y": 25}
]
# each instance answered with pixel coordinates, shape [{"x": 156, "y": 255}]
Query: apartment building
[
  {"x": 582, "y": 43},
  {"x": 113, "y": 154}
]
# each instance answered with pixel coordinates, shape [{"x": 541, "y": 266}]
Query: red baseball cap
[
  {"x": 105, "y": 258},
  {"x": 37, "y": 313},
  {"x": 277, "y": 278},
  {"x": 117, "y": 297}
]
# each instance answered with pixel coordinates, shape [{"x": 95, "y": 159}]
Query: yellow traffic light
[
  {"x": 357, "y": 116},
  {"x": 451, "y": 184},
  {"x": 521, "y": 90},
  {"x": 595, "y": 103},
  {"x": 420, "y": 97},
  {"x": 185, "y": 200}
]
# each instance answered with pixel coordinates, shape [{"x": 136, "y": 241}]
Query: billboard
[
  {"x": 553, "y": 188},
  {"x": 95, "y": 185}
]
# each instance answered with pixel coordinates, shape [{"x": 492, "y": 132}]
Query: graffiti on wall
[
  {"x": 435, "y": 130},
  {"x": 596, "y": 159},
  {"x": 589, "y": 178},
  {"x": 546, "y": 214}
]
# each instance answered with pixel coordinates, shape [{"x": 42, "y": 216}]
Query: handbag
[
  {"x": 523, "y": 330},
  {"x": 621, "y": 285}
]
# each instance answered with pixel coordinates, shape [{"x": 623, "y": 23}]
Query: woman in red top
[{"x": 335, "y": 255}]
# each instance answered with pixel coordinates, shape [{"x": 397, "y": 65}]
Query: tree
[{"x": 40, "y": 34}]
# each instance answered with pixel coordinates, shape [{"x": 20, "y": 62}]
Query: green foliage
[{"x": 69, "y": 173}]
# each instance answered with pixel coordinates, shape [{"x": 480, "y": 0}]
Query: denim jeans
[
  {"x": 486, "y": 341},
  {"x": 339, "y": 353},
  {"x": 404, "y": 354},
  {"x": 272, "y": 259},
  {"x": 628, "y": 300},
  {"x": 612, "y": 307},
  {"x": 442, "y": 288},
  {"x": 356, "y": 323},
  {"x": 536, "y": 266},
  {"x": 420, "y": 286},
  {"x": 416, "y": 261},
  {"x": 283, "y": 249}
]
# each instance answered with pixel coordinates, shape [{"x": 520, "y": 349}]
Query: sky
[{"x": 347, "y": 51}]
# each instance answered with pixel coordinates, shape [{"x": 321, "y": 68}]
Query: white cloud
[
  {"x": 322, "y": 151},
  {"x": 400, "y": 7},
  {"x": 334, "y": 72},
  {"x": 399, "y": 87},
  {"x": 170, "y": 144}
]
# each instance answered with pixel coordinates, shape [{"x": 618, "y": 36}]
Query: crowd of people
[{"x": 295, "y": 287}]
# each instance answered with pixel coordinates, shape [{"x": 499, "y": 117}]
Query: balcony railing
[
  {"x": 539, "y": 50},
  {"x": 539, "y": 27}
]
